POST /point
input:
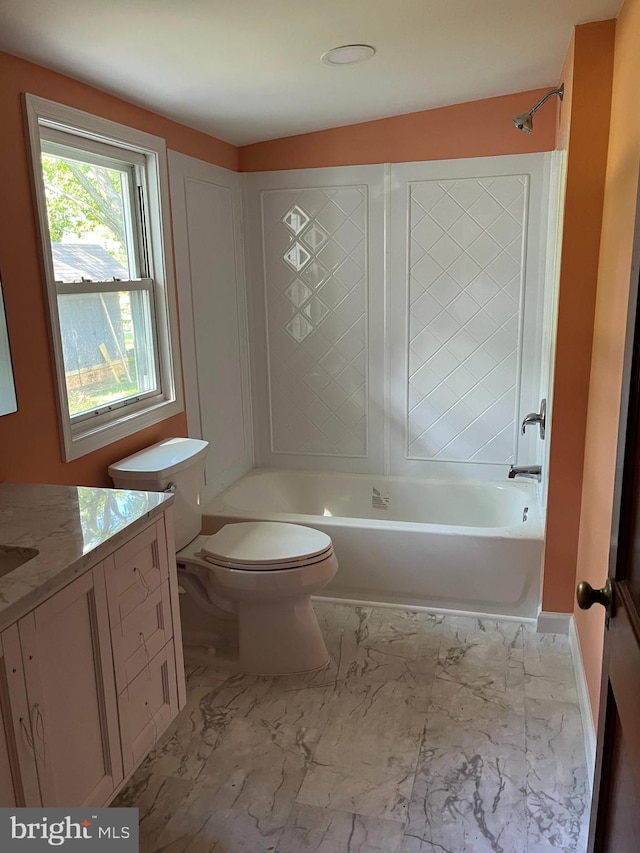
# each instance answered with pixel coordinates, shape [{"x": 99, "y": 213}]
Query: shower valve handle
[{"x": 539, "y": 418}]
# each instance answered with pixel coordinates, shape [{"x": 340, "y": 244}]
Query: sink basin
[{"x": 11, "y": 557}]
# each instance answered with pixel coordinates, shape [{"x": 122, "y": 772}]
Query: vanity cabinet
[
  {"x": 68, "y": 670},
  {"x": 144, "y": 642},
  {"x": 91, "y": 677}
]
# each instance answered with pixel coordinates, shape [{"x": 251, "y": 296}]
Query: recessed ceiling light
[{"x": 348, "y": 54}]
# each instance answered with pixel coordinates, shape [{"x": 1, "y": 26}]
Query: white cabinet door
[
  {"x": 7, "y": 791},
  {"x": 9, "y": 796},
  {"x": 18, "y": 777},
  {"x": 70, "y": 684}
]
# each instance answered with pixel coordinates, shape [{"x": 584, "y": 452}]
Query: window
[{"x": 101, "y": 191}]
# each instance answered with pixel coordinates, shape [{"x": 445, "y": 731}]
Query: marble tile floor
[{"x": 425, "y": 733}]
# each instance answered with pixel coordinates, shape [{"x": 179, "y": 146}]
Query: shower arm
[{"x": 559, "y": 92}]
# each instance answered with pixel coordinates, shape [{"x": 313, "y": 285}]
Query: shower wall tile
[
  {"x": 395, "y": 326},
  {"x": 466, "y": 250},
  {"x": 316, "y": 280}
]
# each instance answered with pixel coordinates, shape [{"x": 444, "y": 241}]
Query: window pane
[
  {"x": 87, "y": 207},
  {"x": 107, "y": 346}
]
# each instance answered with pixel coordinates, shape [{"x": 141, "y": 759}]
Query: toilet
[{"x": 258, "y": 575}]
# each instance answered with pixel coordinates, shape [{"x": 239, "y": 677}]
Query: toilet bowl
[
  {"x": 268, "y": 571},
  {"x": 262, "y": 573}
]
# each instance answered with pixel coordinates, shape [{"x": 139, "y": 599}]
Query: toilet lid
[{"x": 265, "y": 544}]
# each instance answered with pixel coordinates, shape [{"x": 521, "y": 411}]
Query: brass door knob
[{"x": 586, "y": 595}]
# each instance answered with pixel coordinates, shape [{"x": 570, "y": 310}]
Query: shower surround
[
  {"x": 396, "y": 315},
  {"x": 396, "y": 319}
]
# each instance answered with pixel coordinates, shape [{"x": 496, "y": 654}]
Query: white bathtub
[{"x": 431, "y": 543}]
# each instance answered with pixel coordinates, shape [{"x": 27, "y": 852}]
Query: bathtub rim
[
  {"x": 216, "y": 507},
  {"x": 528, "y": 484},
  {"x": 233, "y": 516}
]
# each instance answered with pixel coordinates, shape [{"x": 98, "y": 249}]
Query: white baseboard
[
  {"x": 584, "y": 702},
  {"x": 553, "y": 623}
]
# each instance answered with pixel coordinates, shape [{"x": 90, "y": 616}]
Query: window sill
[{"x": 87, "y": 437}]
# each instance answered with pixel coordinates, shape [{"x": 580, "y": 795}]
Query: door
[
  {"x": 615, "y": 816},
  {"x": 68, "y": 667}
]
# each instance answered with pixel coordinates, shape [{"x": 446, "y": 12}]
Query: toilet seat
[
  {"x": 266, "y": 546},
  {"x": 265, "y": 567}
]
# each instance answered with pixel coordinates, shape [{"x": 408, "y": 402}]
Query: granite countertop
[{"x": 72, "y": 528}]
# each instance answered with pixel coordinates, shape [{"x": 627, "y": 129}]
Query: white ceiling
[{"x": 249, "y": 70}]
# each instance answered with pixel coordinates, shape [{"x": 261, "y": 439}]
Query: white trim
[
  {"x": 553, "y": 623},
  {"x": 556, "y": 165},
  {"x": 8, "y": 401},
  {"x": 77, "y": 441},
  {"x": 386, "y": 289},
  {"x": 588, "y": 724}
]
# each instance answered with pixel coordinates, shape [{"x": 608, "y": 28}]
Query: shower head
[{"x": 524, "y": 122}]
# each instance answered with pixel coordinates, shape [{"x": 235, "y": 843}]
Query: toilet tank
[{"x": 174, "y": 462}]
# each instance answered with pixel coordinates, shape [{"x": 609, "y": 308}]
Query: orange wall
[
  {"x": 474, "y": 129},
  {"x": 29, "y": 438},
  {"x": 584, "y": 131},
  {"x": 29, "y": 443},
  {"x": 614, "y": 277}
]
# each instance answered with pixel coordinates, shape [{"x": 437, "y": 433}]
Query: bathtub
[{"x": 461, "y": 546}]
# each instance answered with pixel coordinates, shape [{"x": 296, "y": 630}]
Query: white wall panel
[
  {"x": 317, "y": 310},
  {"x": 465, "y": 298},
  {"x": 316, "y": 296},
  {"x": 464, "y": 336},
  {"x": 206, "y": 214}
]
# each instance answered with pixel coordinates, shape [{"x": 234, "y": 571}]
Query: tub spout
[{"x": 525, "y": 471}]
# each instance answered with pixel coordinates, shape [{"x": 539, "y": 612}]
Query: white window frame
[{"x": 82, "y": 435}]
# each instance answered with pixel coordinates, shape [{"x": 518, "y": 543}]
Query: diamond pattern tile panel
[
  {"x": 465, "y": 258},
  {"x": 316, "y": 298}
]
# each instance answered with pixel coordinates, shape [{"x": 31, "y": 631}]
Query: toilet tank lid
[{"x": 160, "y": 460}]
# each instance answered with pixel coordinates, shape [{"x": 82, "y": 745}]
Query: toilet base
[
  {"x": 275, "y": 625},
  {"x": 280, "y": 638},
  {"x": 300, "y": 649}
]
